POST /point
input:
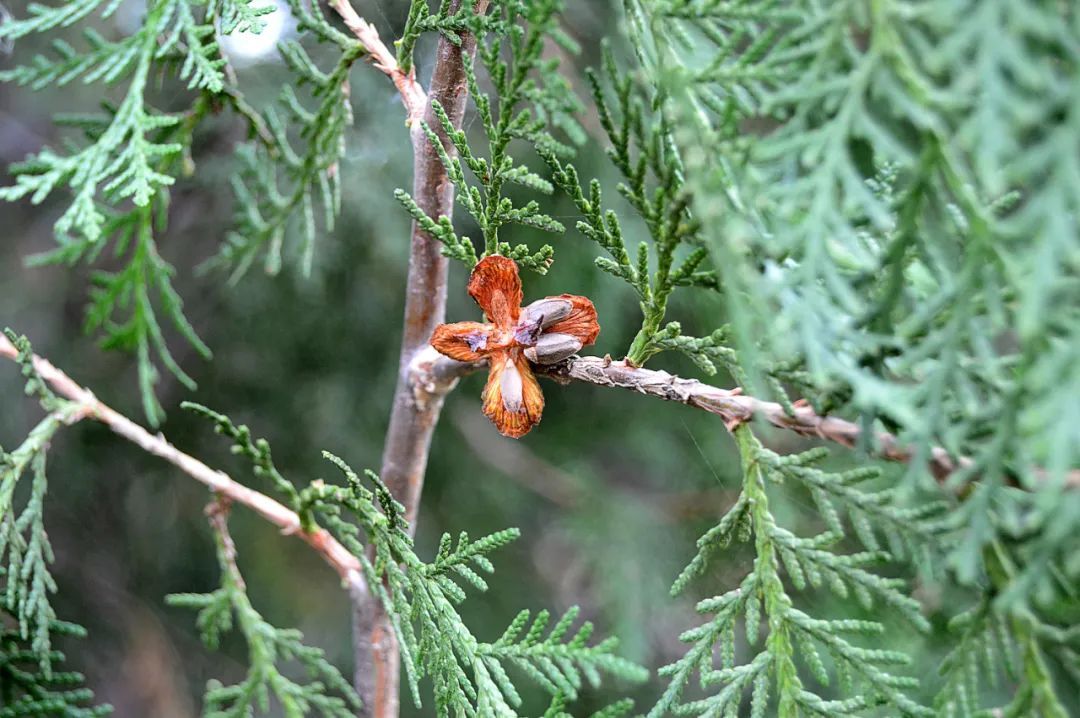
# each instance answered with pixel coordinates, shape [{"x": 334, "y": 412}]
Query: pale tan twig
[
  {"x": 335, "y": 554},
  {"x": 412, "y": 93},
  {"x": 736, "y": 408}
]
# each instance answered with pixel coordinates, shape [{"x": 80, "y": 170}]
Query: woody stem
[
  {"x": 734, "y": 408},
  {"x": 415, "y": 412}
]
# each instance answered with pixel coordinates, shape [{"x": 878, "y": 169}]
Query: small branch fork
[
  {"x": 217, "y": 514},
  {"x": 331, "y": 551},
  {"x": 413, "y": 96}
]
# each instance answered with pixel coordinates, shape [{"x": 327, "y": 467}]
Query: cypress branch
[{"x": 326, "y": 694}]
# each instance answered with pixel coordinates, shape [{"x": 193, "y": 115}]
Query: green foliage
[
  {"x": 984, "y": 651},
  {"x": 31, "y": 683},
  {"x": 770, "y": 674},
  {"x": 445, "y": 20},
  {"x": 130, "y": 152},
  {"x": 240, "y": 15},
  {"x": 642, "y": 151},
  {"x": 878, "y": 516},
  {"x": 1005, "y": 641},
  {"x": 257, "y": 451},
  {"x": 35, "y": 385},
  {"x": 24, "y": 543},
  {"x": 998, "y": 641},
  {"x": 122, "y": 161},
  {"x": 468, "y": 676},
  {"x": 141, "y": 289},
  {"x": 326, "y": 694},
  {"x": 292, "y": 170},
  {"x": 618, "y": 709},
  {"x": 879, "y": 196},
  {"x": 898, "y": 213},
  {"x": 991, "y": 647},
  {"x": 118, "y": 177},
  {"x": 529, "y": 97},
  {"x": 706, "y": 351},
  {"x": 25, "y": 550}
]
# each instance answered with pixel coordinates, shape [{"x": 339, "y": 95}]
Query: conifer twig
[
  {"x": 336, "y": 555},
  {"x": 412, "y": 94},
  {"x": 731, "y": 405},
  {"x": 217, "y": 514}
]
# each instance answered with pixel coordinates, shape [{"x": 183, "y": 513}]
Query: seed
[
  {"x": 553, "y": 348},
  {"x": 546, "y": 312}
]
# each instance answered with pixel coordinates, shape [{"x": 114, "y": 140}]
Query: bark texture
[
  {"x": 733, "y": 407},
  {"x": 417, "y": 398}
]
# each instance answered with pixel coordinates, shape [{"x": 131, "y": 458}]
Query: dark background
[{"x": 610, "y": 491}]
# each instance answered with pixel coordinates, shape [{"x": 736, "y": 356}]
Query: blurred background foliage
[{"x": 610, "y": 493}]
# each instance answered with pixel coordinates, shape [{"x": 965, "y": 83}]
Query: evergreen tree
[{"x": 877, "y": 201}]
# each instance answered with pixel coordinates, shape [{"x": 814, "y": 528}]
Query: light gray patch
[
  {"x": 476, "y": 340},
  {"x": 7, "y": 44}
]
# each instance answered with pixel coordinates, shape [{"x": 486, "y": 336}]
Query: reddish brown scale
[{"x": 546, "y": 331}]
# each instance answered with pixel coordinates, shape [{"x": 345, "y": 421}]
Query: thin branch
[
  {"x": 731, "y": 405},
  {"x": 415, "y": 410},
  {"x": 217, "y": 514},
  {"x": 331, "y": 551},
  {"x": 736, "y": 408},
  {"x": 412, "y": 94}
]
